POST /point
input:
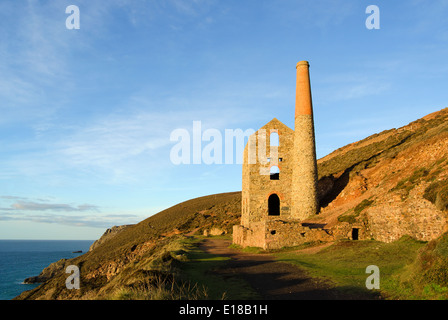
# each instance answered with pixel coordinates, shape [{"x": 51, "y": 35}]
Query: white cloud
[
  {"x": 83, "y": 215},
  {"x": 36, "y": 206},
  {"x": 33, "y": 58},
  {"x": 95, "y": 221},
  {"x": 128, "y": 142}
]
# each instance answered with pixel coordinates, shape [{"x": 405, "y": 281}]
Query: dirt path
[{"x": 271, "y": 279}]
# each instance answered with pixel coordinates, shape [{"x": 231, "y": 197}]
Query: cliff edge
[{"x": 391, "y": 184}]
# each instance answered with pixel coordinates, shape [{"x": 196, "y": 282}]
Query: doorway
[
  {"x": 355, "y": 234},
  {"x": 274, "y": 205}
]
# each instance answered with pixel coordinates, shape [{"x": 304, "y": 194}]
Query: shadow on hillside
[{"x": 338, "y": 185}]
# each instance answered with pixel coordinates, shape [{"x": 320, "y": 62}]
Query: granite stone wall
[{"x": 276, "y": 234}]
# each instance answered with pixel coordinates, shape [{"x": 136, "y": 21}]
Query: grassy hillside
[
  {"x": 344, "y": 264},
  {"x": 221, "y": 209},
  {"x": 390, "y": 184},
  {"x": 145, "y": 253},
  {"x": 387, "y": 144},
  {"x": 390, "y": 175},
  {"x": 427, "y": 276}
]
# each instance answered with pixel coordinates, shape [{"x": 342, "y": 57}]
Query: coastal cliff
[
  {"x": 389, "y": 185},
  {"x": 108, "y": 234}
]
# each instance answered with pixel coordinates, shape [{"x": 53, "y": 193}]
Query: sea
[{"x": 21, "y": 259}]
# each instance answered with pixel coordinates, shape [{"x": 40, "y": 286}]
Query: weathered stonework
[
  {"x": 304, "y": 180},
  {"x": 257, "y": 183},
  {"x": 275, "y": 234},
  {"x": 378, "y": 193},
  {"x": 417, "y": 218},
  {"x": 273, "y": 205}
]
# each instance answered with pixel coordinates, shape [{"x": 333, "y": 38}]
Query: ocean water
[{"x": 21, "y": 259}]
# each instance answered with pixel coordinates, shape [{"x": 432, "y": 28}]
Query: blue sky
[{"x": 86, "y": 115}]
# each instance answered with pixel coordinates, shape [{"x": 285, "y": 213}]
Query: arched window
[
  {"x": 274, "y": 139},
  {"x": 274, "y": 205},
  {"x": 274, "y": 173}
]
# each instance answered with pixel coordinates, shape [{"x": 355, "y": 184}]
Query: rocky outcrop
[
  {"x": 214, "y": 231},
  {"x": 108, "y": 234},
  {"x": 383, "y": 188},
  {"x": 58, "y": 266},
  {"x": 390, "y": 187},
  {"x": 47, "y": 273},
  {"x": 125, "y": 251}
]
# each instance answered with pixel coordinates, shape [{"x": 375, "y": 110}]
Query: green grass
[
  {"x": 177, "y": 270},
  {"x": 344, "y": 264},
  {"x": 220, "y": 210},
  {"x": 199, "y": 269},
  {"x": 161, "y": 288},
  {"x": 351, "y": 215},
  {"x": 427, "y": 276},
  {"x": 408, "y": 183},
  {"x": 437, "y": 193},
  {"x": 224, "y": 210},
  {"x": 247, "y": 249}
]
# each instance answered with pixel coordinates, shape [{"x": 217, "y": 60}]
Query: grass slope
[
  {"x": 344, "y": 264},
  {"x": 387, "y": 144},
  {"x": 119, "y": 255},
  {"x": 427, "y": 276}
]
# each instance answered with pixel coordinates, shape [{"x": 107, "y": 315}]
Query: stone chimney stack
[{"x": 304, "y": 175}]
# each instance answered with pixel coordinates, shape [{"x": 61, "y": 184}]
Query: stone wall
[
  {"x": 253, "y": 237},
  {"x": 268, "y": 226},
  {"x": 257, "y": 185},
  {"x": 276, "y": 234},
  {"x": 416, "y": 217},
  {"x": 259, "y": 228}
]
